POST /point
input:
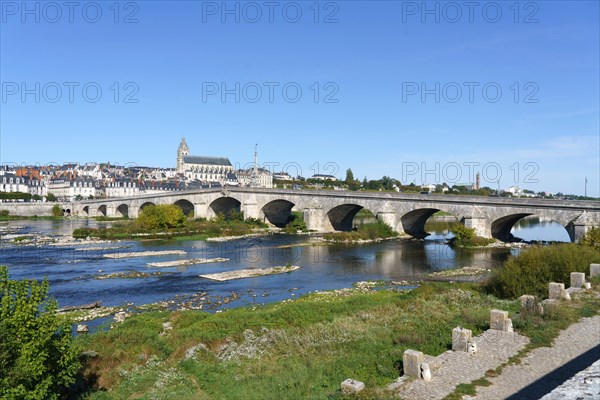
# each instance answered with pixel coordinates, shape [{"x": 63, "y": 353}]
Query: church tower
[{"x": 182, "y": 151}]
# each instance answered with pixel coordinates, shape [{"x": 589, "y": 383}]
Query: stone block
[
  {"x": 426, "y": 372},
  {"x": 499, "y": 320},
  {"x": 594, "y": 270},
  {"x": 82, "y": 329},
  {"x": 564, "y": 295},
  {"x": 460, "y": 338},
  {"x": 350, "y": 386},
  {"x": 587, "y": 285},
  {"x": 548, "y": 305},
  {"x": 555, "y": 290},
  {"x": 412, "y": 361},
  {"x": 577, "y": 279},
  {"x": 529, "y": 304}
]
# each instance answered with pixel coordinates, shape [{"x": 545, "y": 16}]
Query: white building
[
  {"x": 122, "y": 188},
  {"x": 68, "y": 189},
  {"x": 262, "y": 179},
  {"x": 13, "y": 183}
]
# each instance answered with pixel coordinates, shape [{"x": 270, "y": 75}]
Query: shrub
[
  {"x": 4, "y": 213},
  {"x": 532, "y": 270},
  {"x": 51, "y": 197},
  {"x": 37, "y": 357},
  {"x": 466, "y": 237},
  {"x": 57, "y": 211},
  {"x": 296, "y": 223},
  {"x": 375, "y": 230},
  {"x": 591, "y": 238},
  {"x": 162, "y": 216},
  {"x": 461, "y": 232}
]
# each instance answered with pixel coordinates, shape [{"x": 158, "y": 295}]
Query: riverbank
[{"x": 298, "y": 348}]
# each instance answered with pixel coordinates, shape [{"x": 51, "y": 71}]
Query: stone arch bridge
[{"x": 334, "y": 210}]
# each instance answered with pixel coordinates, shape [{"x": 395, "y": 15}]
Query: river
[{"x": 71, "y": 269}]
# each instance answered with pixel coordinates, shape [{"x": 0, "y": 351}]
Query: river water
[{"x": 72, "y": 269}]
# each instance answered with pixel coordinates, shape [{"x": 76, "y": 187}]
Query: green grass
[{"x": 309, "y": 345}]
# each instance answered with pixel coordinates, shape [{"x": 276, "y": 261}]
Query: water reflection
[{"x": 540, "y": 229}]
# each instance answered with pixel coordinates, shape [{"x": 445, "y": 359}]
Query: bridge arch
[
  {"x": 146, "y": 204},
  {"x": 102, "y": 210},
  {"x": 413, "y": 222},
  {"x": 341, "y": 217},
  {"x": 502, "y": 227},
  {"x": 224, "y": 205},
  {"x": 123, "y": 210},
  {"x": 186, "y": 206},
  {"x": 86, "y": 210},
  {"x": 277, "y": 212}
]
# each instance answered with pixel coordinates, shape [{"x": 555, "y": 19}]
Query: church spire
[
  {"x": 182, "y": 151},
  {"x": 254, "y": 178}
]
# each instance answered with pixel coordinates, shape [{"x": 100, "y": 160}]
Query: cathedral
[{"x": 206, "y": 169}]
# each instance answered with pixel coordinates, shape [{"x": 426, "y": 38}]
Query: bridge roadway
[{"x": 334, "y": 210}]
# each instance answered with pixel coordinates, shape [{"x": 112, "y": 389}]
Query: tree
[
  {"x": 349, "y": 176},
  {"x": 37, "y": 356},
  {"x": 51, "y": 197},
  {"x": 78, "y": 197}
]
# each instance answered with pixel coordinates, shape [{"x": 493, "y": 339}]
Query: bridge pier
[
  {"x": 390, "y": 218},
  {"x": 200, "y": 210},
  {"x": 577, "y": 231},
  {"x": 482, "y": 226},
  {"x": 250, "y": 209},
  {"x": 316, "y": 220}
]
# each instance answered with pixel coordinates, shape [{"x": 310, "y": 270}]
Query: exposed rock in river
[
  {"x": 145, "y": 254},
  {"x": 183, "y": 263},
  {"x": 248, "y": 273}
]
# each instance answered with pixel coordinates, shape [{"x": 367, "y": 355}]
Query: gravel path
[
  {"x": 585, "y": 385},
  {"x": 452, "y": 368},
  {"x": 545, "y": 368}
]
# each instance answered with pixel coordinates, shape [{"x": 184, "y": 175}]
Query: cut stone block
[
  {"x": 460, "y": 338},
  {"x": 564, "y": 295},
  {"x": 555, "y": 290},
  {"x": 577, "y": 279},
  {"x": 499, "y": 320},
  {"x": 587, "y": 285},
  {"x": 82, "y": 329},
  {"x": 594, "y": 270},
  {"x": 350, "y": 386},
  {"x": 529, "y": 304},
  {"x": 412, "y": 361},
  {"x": 548, "y": 305},
  {"x": 426, "y": 372}
]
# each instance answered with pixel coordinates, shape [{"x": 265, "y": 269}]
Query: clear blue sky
[{"x": 375, "y": 57}]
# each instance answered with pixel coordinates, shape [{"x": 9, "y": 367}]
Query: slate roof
[{"x": 206, "y": 160}]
